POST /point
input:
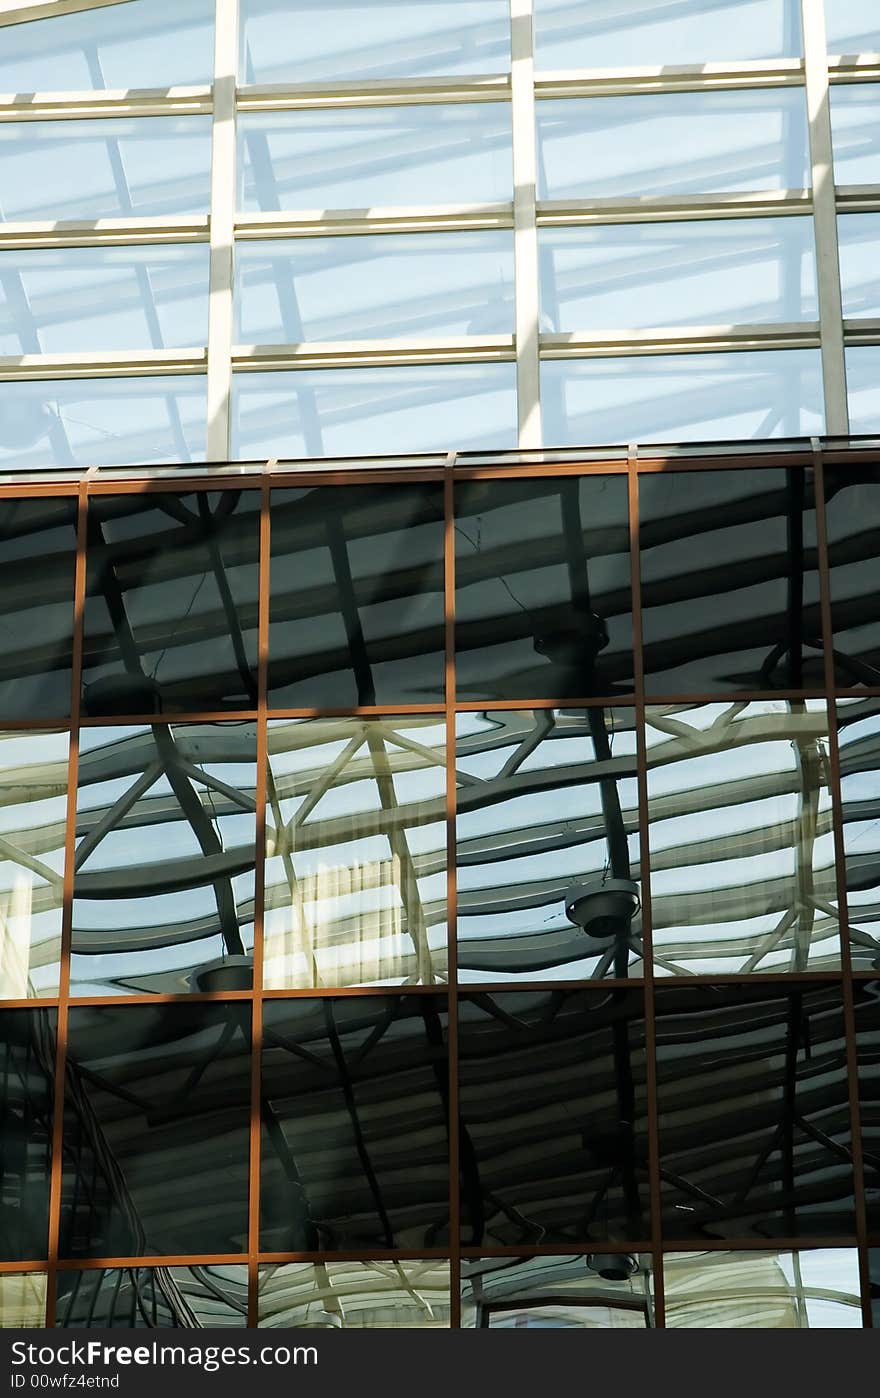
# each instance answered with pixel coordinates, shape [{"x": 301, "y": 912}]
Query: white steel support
[
  {"x": 525, "y": 235},
  {"x": 222, "y": 226},
  {"x": 825, "y": 218}
]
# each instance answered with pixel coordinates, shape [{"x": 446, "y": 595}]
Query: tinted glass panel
[
  {"x": 811, "y": 1290},
  {"x": 754, "y": 1112},
  {"x": 547, "y": 803},
  {"x": 355, "y": 1152},
  {"x": 157, "y": 1109},
  {"x": 852, "y": 513},
  {"x": 729, "y": 584},
  {"x": 856, "y": 133},
  {"x": 355, "y": 1296},
  {"x": 310, "y": 41},
  {"x": 364, "y": 288},
  {"x": 742, "y": 847},
  {"x": 543, "y": 605},
  {"x": 164, "y": 883},
  {"x": 552, "y": 1097},
  {"x": 27, "y": 1054},
  {"x": 852, "y": 26},
  {"x": 152, "y": 1298},
  {"x": 867, "y": 1009},
  {"x": 356, "y": 609},
  {"x": 171, "y": 603},
  {"x": 858, "y": 738},
  {"x": 600, "y": 1291},
  {"x": 672, "y": 143},
  {"x": 22, "y": 1300},
  {"x": 33, "y": 811},
  {"x": 37, "y": 562},
  {"x": 859, "y": 244},
  {"x": 355, "y": 853},
  {"x": 863, "y": 388},
  {"x": 617, "y": 34}
]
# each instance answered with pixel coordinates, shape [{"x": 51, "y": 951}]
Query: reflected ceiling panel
[
  {"x": 852, "y": 513},
  {"x": 355, "y": 1295},
  {"x": 355, "y": 1151},
  {"x": 616, "y": 34},
  {"x": 157, "y": 1104},
  {"x": 755, "y": 1135},
  {"x": 867, "y": 1015},
  {"x": 201, "y": 1297},
  {"x": 37, "y": 562},
  {"x": 597, "y": 1291},
  {"x": 27, "y": 1088},
  {"x": 547, "y": 800},
  {"x": 164, "y": 882},
  {"x": 553, "y": 1117},
  {"x": 816, "y": 1289},
  {"x": 742, "y": 845},
  {"x": 543, "y": 602},
  {"x": 730, "y": 594},
  {"x": 356, "y": 610},
  {"x": 355, "y": 852},
  {"x": 858, "y": 737},
  {"x": 22, "y": 1300},
  {"x": 171, "y": 603}
]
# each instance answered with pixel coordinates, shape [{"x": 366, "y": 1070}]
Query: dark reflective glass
[
  {"x": 27, "y": 1054},
  {"x": 852, "y": 513},
  {"x": 355, "y": 1295},
  {"x": 201, "y": 1297},
  {"x": 542, "y": 574},
  {"x": 356, "y": 607},
  {"x": 37, "y": 563},
  {"x": 164, "y": 864},
  {"x": 730, "y": 597},
  {"x": 355, "y": 1151},
  {"x": 867, "y": 1013},
  {"x": 753, "y": 1102},
  {"x": 596, "y": 1291},
  {"x": 858, "y": 738},
  {"x": 553, "y": 1118},
  {"x": 157, "y": 1108},
  {"x": 171, "y": 603},
  {"x": 874, "y": 1266},
  {"x": 547, "y": 803}
]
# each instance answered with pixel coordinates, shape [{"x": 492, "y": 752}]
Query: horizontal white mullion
[
  {"x": 862, "y": 332},
  {"x": 666, "y": 208},
  {"x": 311, "y": 223},
  {"x": 689, "y": 77},
  {"x": 854, "y": 68},
  {"x": 281, "y": 97},
  {"x": 858, "y": 199},
  {"x": 364, "y": 353},
  {"x": 12, "y": 12},
  {"x": 104, "y": 231},
  {"x": 57, "y": 106},
  {"x": 132, "y": 364},
  {"x": 708, "y": 339}
]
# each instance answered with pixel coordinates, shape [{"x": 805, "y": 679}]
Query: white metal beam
[
  {"x": 12, "y": 12},
  {"x": 525, "y": 236},
  {"x": 54, "y": 106},
  {"x": 222, "y": 225}
]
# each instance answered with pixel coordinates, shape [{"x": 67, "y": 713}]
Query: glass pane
[
  {"x": 96, "y": 299},
  {"x": 742, "y": 846},
  {"x": 353, "y": 412},
  {"x": 733, "y": 272},
  {"x": 854, "y": 111},
  {"x": 372, "y": 156},
  {"x": 156, "y": 1130},
  {"x": 33, "y": 810},
  {"x": 27, "y": 1087},
  {"x": 852, "y": 512},
  {"x": 355, "y": 1151},
  {"x": 298, "y": 41},
  {"x": 852, "y": 26},
  {"x": 362, "y": 288},
  {"x": 101, "y": 422},
  {"x": 164, "y": 883},
  {"x": 859, "y": 243},
  {"x": 812, "y": 1290},
  {"x": 553, "y": 1117},
  {"x": 547, "y": 814},
  {"x": 858, "y": 737},
  {"x": 867, "y": 1012},
  {"x": 672, "y": 143},
  {"x": 863, "y": 388},
  {"x": 130, "y": 167},
  {"x": 22, "y": 1300},
  {"x": 543, "y": 605},
  {"x": 356, "y": 606},
  {"x": 171, "y": 603},
  {"x": 600, "y": 1291},
  {"x": 355, "y": 1296},
  {"x": 152, "y": 1298},
  {"x": 754, "y": 1112},
  {"x": 37, "y": 562},
  {"x": 144, "y": 43},
  {"x": 355, "y": 853},
  {"x": 617, "y": 34},
  {"x": 730, "y": 592},
  {"x": 874, "y": 1265}
]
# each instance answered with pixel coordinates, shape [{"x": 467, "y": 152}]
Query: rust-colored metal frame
[{"x": 272, "y": 476}]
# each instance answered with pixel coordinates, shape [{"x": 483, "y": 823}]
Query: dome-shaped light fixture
[
  {"x": 603, "y": 909},
  {"x": 226, "y": 973},
  {"x": 612, "y": 1266}
]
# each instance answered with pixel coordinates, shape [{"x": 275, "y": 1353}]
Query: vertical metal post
[
  {"x": 525, "y": 231},
  {"x": 221, "y": 229}
]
